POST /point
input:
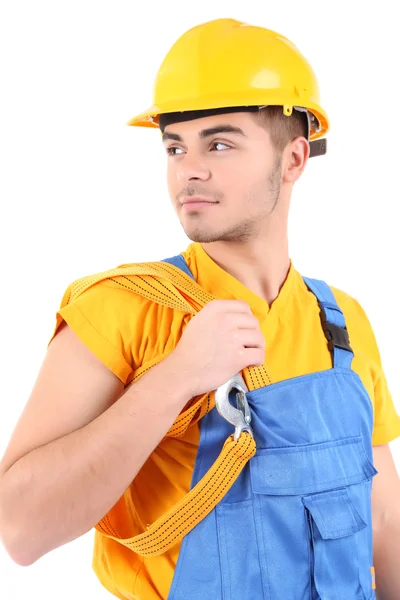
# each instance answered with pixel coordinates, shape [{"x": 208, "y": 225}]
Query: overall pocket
[
  {"x": 313, "y": 504},
  {"x": 335, "y": 524}
]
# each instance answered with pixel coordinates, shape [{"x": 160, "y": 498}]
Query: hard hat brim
[{"x": 150, "y": 117}]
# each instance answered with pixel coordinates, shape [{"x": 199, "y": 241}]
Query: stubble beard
[{"x": 248, "y": 228}]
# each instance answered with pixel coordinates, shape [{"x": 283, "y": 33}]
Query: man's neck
[{"x": 261, "y": 266}]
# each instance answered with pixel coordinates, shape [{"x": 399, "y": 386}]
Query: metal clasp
[{"x": 240, "y": 417}]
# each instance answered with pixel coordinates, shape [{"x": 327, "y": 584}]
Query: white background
[{"x": 81, "y": 192}]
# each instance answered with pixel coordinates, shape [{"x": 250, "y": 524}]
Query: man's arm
[
  {"x": 386, "y": 524},
  {"x": 76, "y": 449}
]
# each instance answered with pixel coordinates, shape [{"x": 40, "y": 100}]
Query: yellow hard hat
[{"x": 227, "y": 63}]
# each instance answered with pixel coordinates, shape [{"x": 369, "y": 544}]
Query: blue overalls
[{"x": 297, "y": 523}]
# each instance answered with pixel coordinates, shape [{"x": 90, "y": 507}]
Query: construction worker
[{"x": 220, "y": 420}]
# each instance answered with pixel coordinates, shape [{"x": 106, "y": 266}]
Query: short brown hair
[{"x": 283, "y": 129}]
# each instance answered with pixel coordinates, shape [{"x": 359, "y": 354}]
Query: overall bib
[{"x": 297, "y": 523}]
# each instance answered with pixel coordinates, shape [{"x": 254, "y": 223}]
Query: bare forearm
[
  {"x": 386, "y": 559},
  {"x": 59, "y": 491}
]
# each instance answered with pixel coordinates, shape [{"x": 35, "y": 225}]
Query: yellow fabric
[
  {"x": 264, "y": 68},
  {"x": 129, "y": 333}
]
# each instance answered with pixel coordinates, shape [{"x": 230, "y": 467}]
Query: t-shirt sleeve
[
  {"x": 100, "y": 318},
  {"x": 387, "y": 421}
]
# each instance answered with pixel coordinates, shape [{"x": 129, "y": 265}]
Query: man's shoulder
[
  {"x": 111, "y": 283},
  {"x": 348, "y": 303}
]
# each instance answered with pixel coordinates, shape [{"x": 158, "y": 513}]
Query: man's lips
[
  {"x": 197, "y": 200},
  {"x": 197, "y": 205}
]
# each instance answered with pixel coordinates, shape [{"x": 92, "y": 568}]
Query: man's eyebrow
[
  {"x": 204, "y": 133},
  {"x": 221, "y": 129},
  {"x": 171, "y": 136}
]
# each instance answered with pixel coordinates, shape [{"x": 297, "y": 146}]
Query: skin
[{"x": 246, "y": 233}]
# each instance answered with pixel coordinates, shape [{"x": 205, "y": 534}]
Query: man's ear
[{"x": 295, "y": 157}]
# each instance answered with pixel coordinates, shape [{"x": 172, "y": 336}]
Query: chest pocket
[{"x": 322, "y": 493}]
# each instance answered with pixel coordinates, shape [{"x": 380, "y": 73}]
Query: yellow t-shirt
[{"x": 126, "y": 331}]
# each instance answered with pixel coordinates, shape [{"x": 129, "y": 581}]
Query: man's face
[{"x": 223, "y": 176}]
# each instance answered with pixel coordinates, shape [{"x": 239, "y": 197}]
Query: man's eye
[
  {"x": 173, "y": 151},
  {"x": 214, "y": 144}
]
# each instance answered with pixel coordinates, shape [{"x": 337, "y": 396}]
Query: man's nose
[{"x": 193, "y": 167}]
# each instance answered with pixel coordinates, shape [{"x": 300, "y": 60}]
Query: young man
[{"x": 121, "y": 432}]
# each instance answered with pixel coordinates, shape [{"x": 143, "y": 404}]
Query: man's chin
[{"x": 202, "y": 237}]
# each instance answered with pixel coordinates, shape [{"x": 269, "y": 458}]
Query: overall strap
[
  {"x": 180, "y": 262},
  {"x": 333, "y": 323}
]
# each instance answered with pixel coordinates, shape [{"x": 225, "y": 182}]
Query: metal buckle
[{"x": 240, "y": 417}]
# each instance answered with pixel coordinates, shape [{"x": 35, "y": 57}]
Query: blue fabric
[
  {"x": 179, "y": 261},
  {"x": 297, "y": 523},
  {"x": 341, "y": 358}
]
